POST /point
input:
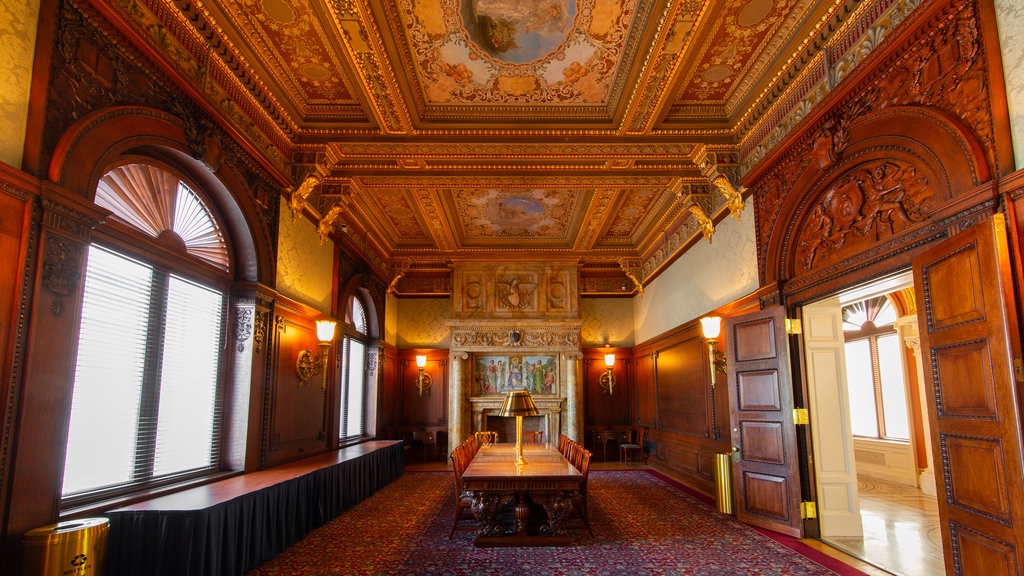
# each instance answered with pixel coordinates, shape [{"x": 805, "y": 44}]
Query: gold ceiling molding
[
  {"x": 861, "y": 32},
  {"x": 230, "y": 88},
  {"x": 660, "y": 70},
  {"x": 365, "y": 49}
]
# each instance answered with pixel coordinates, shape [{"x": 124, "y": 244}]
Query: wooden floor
[
  {"x": 868, "y": 556},
  {"x": 901, "y": 529}
]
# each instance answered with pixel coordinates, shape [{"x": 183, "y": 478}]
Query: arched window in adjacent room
[
  {"x": 874, "y": 367},
  {"x": 146, "y": 406}
]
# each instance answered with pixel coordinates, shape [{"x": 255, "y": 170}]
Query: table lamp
[{"x": 518, "y": 403}]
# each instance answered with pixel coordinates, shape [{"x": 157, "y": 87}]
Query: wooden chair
[
  {"x": 575, "y": 454},
  {"x": 471, "y": 447},
  {"x": 463, "y": 505},
  {"x": 634, "y": 451},
  {"x": 533, "y": 437},
  {"x": 485, "y": 437},
  {"x": 563, "y": 444},
  {"x": 581, "y": 503}
]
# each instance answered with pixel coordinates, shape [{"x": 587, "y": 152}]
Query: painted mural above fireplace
[{"x": 497, "y": 374}]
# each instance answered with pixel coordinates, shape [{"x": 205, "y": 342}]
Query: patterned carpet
[{"x": 643, "y": 525}]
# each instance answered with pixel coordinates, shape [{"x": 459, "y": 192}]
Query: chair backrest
[
  {"x": 533, "y": 437},
  {"x": 485, "y": 437},
  {"x": 641, "y": 434},
  {"x": 575, "y": 456},
  {"x": 584, "y": 467},
  {"x": 459, "y": 463},
  {"x": 470, "y": 445},
  {"x": 563, "y": 444}
]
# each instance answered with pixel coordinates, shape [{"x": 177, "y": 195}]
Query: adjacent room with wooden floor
[{"x": 572, "y": 287}]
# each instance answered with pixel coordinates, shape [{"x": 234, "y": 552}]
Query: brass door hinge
[
  {"x": 808, "y": 510},
  {"x": 800, "y": 416},
  {"x": 793, "y": 326}
]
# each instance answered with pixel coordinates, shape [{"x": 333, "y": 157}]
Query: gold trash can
[
  {"x": 723, "y": 482},
  {"x": 70, "y": 548}
]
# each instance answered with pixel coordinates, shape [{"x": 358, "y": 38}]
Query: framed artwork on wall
[{"x": 493, "y": 374}]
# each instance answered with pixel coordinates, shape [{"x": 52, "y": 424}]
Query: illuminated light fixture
[
  {"x": 607, "y": 380},
  {"x": 518, "y": 403},
  {"x": 423, "y": 380},
  {"x": 711, "y": 326},
  {"x": 308, "y": 365}
]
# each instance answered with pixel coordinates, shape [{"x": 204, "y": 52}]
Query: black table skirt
[{"x": 238, "y": 535}]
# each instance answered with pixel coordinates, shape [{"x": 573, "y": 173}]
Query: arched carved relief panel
[
  {"x": 867, "y": 199},
  {"x": 867, "y": 204}
]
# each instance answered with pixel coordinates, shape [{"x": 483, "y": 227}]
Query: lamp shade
[
  {"x": 421, "y": 361},
  {"x": 325, "y": 330},
  {"x": 609, "y": 360},
  {"x": 518, "y": 403},
  {"x": 711, "y": 326}
]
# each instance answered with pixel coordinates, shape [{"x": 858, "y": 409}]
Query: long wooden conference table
[{"x": 539, "y": 494}]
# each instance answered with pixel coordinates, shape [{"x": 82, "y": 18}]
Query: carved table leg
[
  {"x": 559, "y": 505},
  {"x": 485, "y": 506}
]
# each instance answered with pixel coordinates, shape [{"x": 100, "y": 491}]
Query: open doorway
[{"x": 869, "y": 427}]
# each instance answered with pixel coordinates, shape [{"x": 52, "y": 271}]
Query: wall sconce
[
  {"x": 308, "y": 365},
  {"x": 711, "y": 326},
  {"x": 423, "y": 380},
  {"x": 607, "y": 380}
]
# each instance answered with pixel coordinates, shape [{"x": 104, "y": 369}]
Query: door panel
[
  {"x": 765, "y": 466},
  {"x": 828, "y": 401},
  {"x": 970, "y": 338}
]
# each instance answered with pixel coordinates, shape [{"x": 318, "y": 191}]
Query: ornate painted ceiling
[{"x": 613, "y": 133}]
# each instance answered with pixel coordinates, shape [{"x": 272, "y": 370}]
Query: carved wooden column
[
  {"x": 573, "y": 398},
  {"x": 64, "y": 227},
  {"x": 458, "y": 401},
  {"x": 910, "y": 335}
]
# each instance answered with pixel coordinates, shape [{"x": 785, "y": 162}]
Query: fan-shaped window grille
[
  {"x": 157, "y": 202},
  {"x": 879, "y": 311}
]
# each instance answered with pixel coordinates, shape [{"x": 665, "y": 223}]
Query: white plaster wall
[
  {"x": 304, "y": 265},
  {"x": 1010, "y": 17},
  {"x": 704, "y": 278},
  {"x": 18, "y": 39}
]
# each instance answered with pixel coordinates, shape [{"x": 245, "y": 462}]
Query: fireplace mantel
[{"x": 550, "y": 409}]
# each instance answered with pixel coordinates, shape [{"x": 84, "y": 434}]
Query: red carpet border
[{"x": 644, "y": 524}]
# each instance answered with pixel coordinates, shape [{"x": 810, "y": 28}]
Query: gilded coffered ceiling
[{"x": 612, "y": 133}]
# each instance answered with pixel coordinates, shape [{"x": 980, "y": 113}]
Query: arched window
[
  {"x": 354, "y": 372},
  {"x": 874, "y": 370},
  {"x": 145, "y": 407}
]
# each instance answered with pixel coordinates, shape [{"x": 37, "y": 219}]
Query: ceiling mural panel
[
  {"x": 515, "y": 52},
  {"x": 531, "y": 216}
]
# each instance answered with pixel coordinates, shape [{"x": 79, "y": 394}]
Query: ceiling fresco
[{"x": 421, "y": 132}]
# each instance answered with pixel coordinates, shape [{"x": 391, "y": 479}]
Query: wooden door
[
  {"x": 970, "y": 342},
  {"x": 828, "y": 402},
  {"x": 765, "y": 469}
]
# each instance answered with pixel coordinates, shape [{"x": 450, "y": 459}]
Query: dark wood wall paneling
[
  {"x": 414, "y": 412},
  {"x": 297, "y": 418},
  {"x": 674, "y": 400},
  {"x": 603, "y": 411}
]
